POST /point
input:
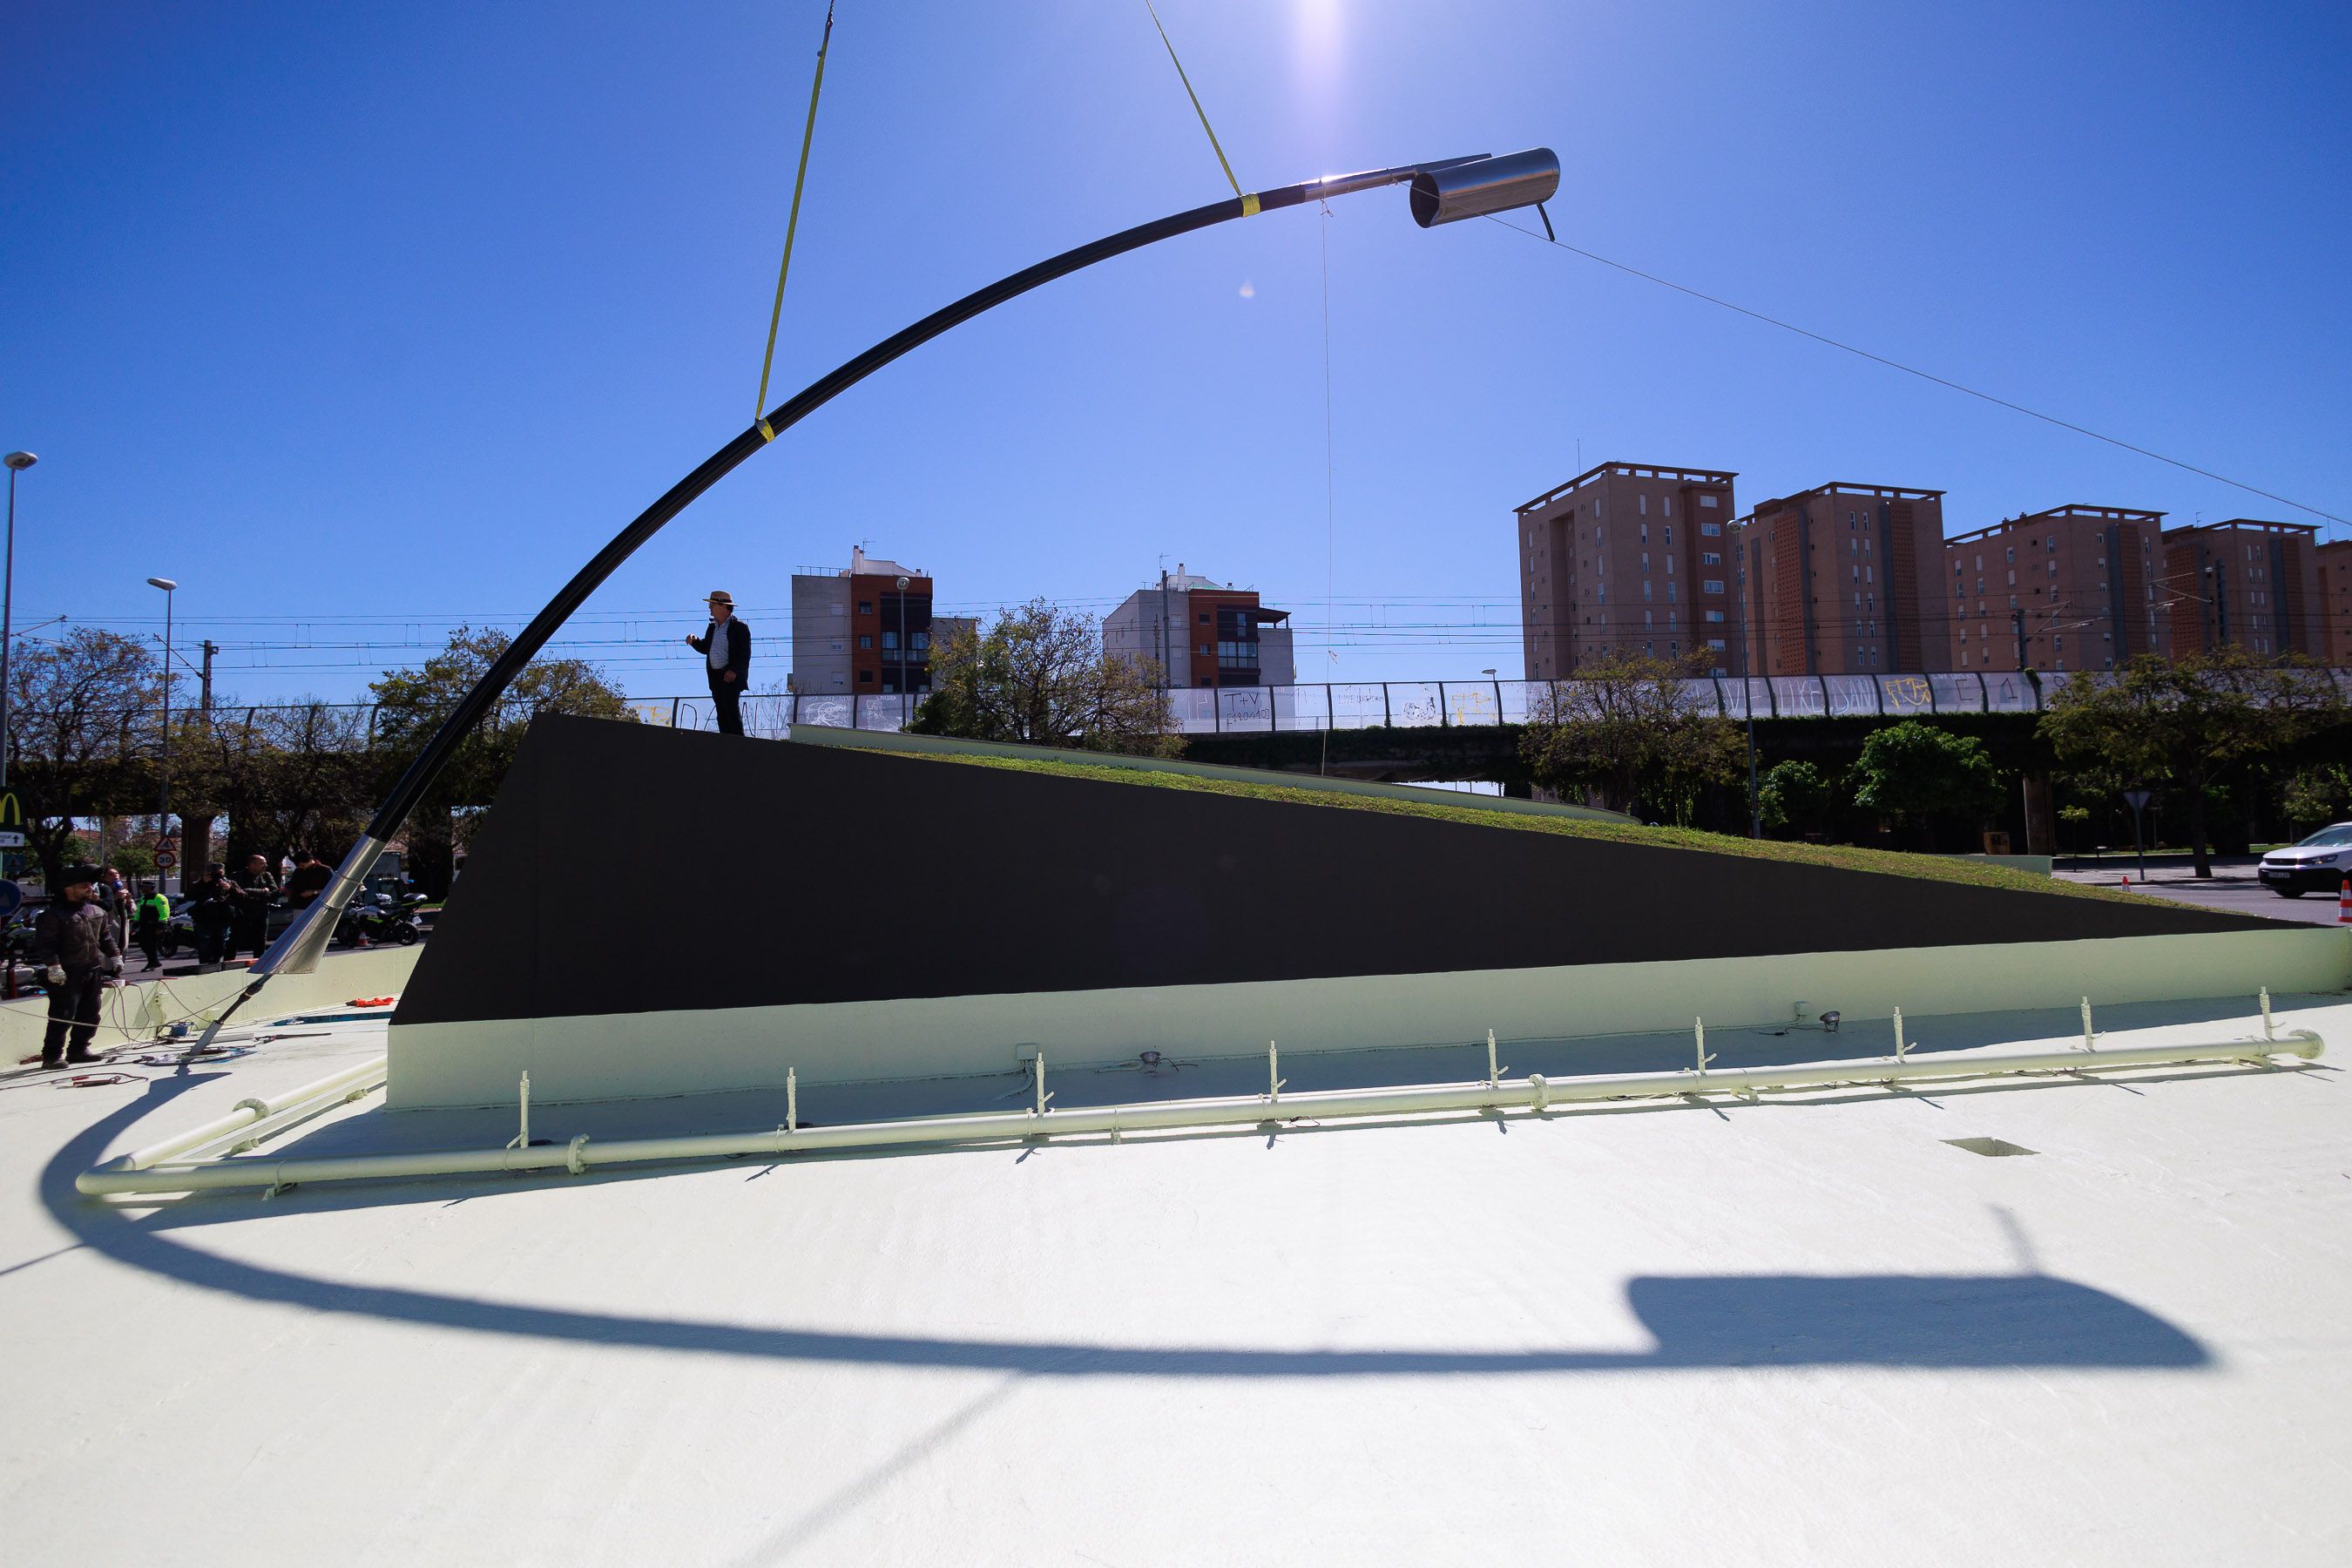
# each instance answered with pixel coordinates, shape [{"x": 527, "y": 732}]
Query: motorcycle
[{"x": 381, "y": 918}]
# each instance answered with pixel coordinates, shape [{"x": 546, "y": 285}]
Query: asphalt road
[{"x": 2232, "y": 888}]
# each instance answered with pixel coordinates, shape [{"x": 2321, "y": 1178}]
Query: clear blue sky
[{"x": 376, "y": 319}]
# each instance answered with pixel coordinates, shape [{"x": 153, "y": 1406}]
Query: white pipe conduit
[
  {"x": 244, "y": 1122},
  {"x": 146, "y": 1172}
]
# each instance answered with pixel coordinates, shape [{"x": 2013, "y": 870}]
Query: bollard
[
  {"x": 2087, "y": 1036},
  {"x": 1901, "y": 1050}
]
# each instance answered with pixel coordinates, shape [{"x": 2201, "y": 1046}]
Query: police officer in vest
[
  {"x": 726, "y": 647},
  {"x": 74, "y": 942}
]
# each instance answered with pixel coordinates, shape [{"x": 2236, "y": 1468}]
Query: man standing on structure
[
  {"x": 727, "y": 646},
  {"x": 73, "y": 941}
]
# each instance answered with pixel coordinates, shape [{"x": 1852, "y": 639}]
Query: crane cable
[
  {"x": 1249, "y": 198},
  {"x": 808, "y": 133}
]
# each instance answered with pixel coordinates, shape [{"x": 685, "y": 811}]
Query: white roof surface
[{"x": 1793, "y": 1332}]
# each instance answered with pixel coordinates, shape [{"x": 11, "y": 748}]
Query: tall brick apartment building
[
  {"x": 2248, "y": 583},
  {"x": 1628, "y": 557},
  {"x": 1847, "y": 579},
  {"x": 2336, "y": 599},
  {"x": 2081, "y": 582}
]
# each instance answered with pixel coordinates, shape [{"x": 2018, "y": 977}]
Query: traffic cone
[{"x": 2344, "y": 904}]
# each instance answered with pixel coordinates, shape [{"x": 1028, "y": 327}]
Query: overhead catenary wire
[{"x": 1914, "y": 370}]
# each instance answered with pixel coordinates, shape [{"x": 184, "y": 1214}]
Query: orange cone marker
[{"x": 2344, "y": 904}]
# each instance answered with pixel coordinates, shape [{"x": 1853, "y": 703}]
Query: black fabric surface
[{"x": 630, "y": 868}]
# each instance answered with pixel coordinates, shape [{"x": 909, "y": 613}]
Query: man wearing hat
[
  {"x": 728, "y": 647},
  {"x": 73, "y": 941}
]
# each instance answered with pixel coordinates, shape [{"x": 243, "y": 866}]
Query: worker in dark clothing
[
  {"x": 73, "y": 941},
  {"x": 256, "y": 890},
  {"x": 154, "y": 916},
  {"x": 726, "y": 647},
  {"x": 310, "y": 879},
  {"x": 211, "y": 907}
]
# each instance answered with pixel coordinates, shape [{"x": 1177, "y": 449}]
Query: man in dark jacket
[
  {"x": 256, "y": 890},
  {"x": 73, "y": 941},
  {"x": 212, "y": 908},
  {"x": 311, "y": 877},
  {"x": 726, "y": 647}
]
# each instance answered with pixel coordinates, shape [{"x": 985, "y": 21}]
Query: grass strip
[{"x": 1842, "y": 857}]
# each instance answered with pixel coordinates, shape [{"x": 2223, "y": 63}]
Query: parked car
[{"x": 2318, "y": 863}]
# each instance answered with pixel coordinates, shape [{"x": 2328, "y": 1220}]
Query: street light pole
[
  {"x": 1747, "y": 701},
  {"x": 163, "y": 808},
  {"x": 906, "y": 713},
  {"x": 17, "y": 463}
]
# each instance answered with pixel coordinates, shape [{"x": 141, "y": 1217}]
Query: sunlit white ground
[{"x": 1793, "y": 1332}]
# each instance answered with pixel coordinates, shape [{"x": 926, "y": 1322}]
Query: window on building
[
  {"x": 1709, "y": 558},
  {"x": 866, "y": 678},
  {"x": 1716, "y": 616},
  {"x": 1645, "y": 590},
  {"x": 1710, "y": 584},
  {"x": 1708, "y": 502},
  {"x": 1711, "y": 529},
  {"x": 864, "y": 641},
  {"x": 1670, "y": 589},
  {"x": 1645, "y": 561},
  {"x": 1644, "y": 502},
  {"x": 890, "y": 642}
]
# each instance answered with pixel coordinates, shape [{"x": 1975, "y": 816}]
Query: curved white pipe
[
  {"x": 249, "y": 1113},
  {"x": 1534, "y": 1092}
]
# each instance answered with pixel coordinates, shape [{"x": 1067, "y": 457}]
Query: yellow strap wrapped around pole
[
  {"x": 808, "y": 133},
  {"x": 1249, "y": 199}
]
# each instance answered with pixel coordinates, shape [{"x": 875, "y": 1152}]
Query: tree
[
  {"x": 2317, "y": 795},
  {"x": 1916, "y": 772},
  {"x": 1795, "y": 797},
  {"x": 1039, "y": 675},
  {"x": 413, "y": 703},
  {"x": 2184, "y": 725},
  {"x": 133, "y": 860},
  {"x": 1629, "y": 729},
  {"x": 72, "y": 716}
]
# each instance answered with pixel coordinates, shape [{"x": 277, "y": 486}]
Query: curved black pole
[{"x": 298, "y": 949}]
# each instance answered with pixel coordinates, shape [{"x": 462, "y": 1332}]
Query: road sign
[
  {"x": 12, "y": 841},
  {"x": 2137, "y": 797},
  {"x": 12, "y": 899},
  {"x": 165, "y": 859}
]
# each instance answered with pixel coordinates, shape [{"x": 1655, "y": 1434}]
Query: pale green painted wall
[{"x": 649, "y": 1054}]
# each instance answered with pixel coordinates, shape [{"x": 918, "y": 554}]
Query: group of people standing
[{"x": 80, "y": 938}]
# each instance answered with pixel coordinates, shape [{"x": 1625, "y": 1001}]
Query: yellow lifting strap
[
  {"x": 1249, "y": 198},
  {"x": 808, "y": 133}
]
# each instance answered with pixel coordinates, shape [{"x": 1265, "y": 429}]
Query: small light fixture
[{"x": 1829, "y": 1023}]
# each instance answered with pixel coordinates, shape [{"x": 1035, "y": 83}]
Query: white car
[{"x": 2318, "y": 863}]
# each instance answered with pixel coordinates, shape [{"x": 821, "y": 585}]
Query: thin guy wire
[{"x": 1922, "y": 374}]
